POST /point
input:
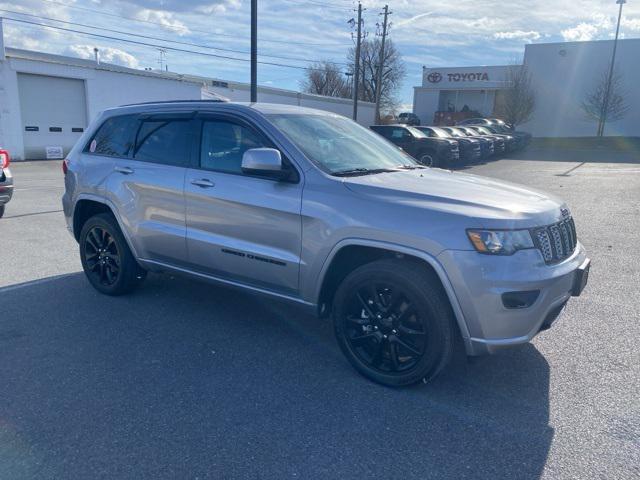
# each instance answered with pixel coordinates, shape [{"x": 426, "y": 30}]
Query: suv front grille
[{"x": 557, "y": 241}]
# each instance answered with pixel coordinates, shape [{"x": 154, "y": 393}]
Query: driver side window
[{"x": 223, "y": 145}]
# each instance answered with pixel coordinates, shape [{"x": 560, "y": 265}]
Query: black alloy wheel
[
  {"x": 101, "y": 256},
  {"x": 393, "y": 322},
  {"x": 384, "y": 329},
  {"x": 106, "y": 258}
]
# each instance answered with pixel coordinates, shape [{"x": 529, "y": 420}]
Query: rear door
[
  {"x": 147, "y": 186},
  {"x": 242, "y": 227}
]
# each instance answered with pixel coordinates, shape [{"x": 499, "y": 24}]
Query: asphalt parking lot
[{"x": 188, "y": 380}]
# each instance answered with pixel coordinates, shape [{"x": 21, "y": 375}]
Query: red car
[{"x": 6, "y": 180}]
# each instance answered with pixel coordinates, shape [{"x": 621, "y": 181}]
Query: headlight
[{"x": 500, "y": 242}]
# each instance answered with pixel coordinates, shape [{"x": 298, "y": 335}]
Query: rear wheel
[
  {"x": 393, "y": 322},
  {"x": 1, "y": 210},
  {"x": 106, "y": 258}
]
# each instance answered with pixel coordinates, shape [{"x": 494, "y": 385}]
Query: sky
[{"x": 294, "y": 33}]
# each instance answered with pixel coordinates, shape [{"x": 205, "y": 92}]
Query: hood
[{"x": 493, "y": 203}]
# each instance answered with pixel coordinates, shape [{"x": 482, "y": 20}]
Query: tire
[
  {"x": 106, "y": 258},
  {"x": 413, "y": 338},
  {"x": 428, "y": 159},
  {"x": 1, "y": 211}
]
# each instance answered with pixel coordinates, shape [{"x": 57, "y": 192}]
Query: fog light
[{"x": 520, "y": 299}]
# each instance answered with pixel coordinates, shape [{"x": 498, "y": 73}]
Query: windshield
[
  {"x": 440, "y": 132},
  {"x": 455, "y": 132},
  {"x": 483, "y": 130},
  {"x": 339, "y": 145},
  {"x": 416, "y": 132}
]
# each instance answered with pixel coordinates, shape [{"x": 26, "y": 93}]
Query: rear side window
[
  {"x": 114, "y": 137},
  {"x": 167, "y": 142}
]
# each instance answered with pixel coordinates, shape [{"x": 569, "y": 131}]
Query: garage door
[{"x": 53, "y": 113}]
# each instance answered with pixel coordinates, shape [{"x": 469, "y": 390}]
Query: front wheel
[
  {"x": 106, "y": 258},
  {"x": 428, "y": 159},
  {"x": 393, "y": 322},
  {"x": 1, "y": 211}
]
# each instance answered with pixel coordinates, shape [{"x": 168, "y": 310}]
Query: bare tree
[
  {"x": 516, "y": 103},
  {"x": 326, "y": 78},
  {"x": 393, "y": 73},
  {"x": 594, "y": 101}
]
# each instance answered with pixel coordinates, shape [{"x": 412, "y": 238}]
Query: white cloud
[
  {"x": 219, "y": 8},
  {"x": 107, "y": 54},
  {"x": 164, "y": 18},
  {"x": 517, "y": 35},
  {"x": 598, "y": 26},
  {"x": 402, "y": 23},
  {"x": 631, "y": 24}
]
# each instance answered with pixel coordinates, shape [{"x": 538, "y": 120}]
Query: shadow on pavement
[{"x": 189, "y": 380}]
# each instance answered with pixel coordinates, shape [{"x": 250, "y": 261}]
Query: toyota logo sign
[{"x": 434, "y": 77}]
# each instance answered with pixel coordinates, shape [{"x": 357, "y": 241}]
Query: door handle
[
  {"x": 124, "y": 170},
  {"x": 203, "y": 183}
]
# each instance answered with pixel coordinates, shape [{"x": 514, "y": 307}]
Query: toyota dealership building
[{"x": 562, "y": 74}]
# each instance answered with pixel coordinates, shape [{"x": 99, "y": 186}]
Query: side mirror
[{"x": 264, "y": 161}]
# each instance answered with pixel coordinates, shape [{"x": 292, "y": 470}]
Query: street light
[{"x": 605, "y": 106}]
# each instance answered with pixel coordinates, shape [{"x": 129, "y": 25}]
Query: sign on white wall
[{"x": 54, "y": 152}]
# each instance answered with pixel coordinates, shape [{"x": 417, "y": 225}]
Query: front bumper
[
  {"x": 6, "y": 186},
  {"x": 479, "y": 282}
]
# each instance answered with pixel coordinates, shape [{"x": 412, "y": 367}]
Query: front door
[{"x": 242, "y": 227}]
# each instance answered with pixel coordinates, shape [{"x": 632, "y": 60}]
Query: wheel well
[
  {"x": 353, "y": 256},
  {"x": 85, "y": 209}
]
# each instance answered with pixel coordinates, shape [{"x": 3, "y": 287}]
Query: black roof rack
[{"x": 158, "y": 102}]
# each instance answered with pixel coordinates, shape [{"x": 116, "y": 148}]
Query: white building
[
  {"x": 48, "y": 100},
  {"x": 562, "y": 75}
]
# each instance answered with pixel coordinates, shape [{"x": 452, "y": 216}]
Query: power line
[
  {"x": 121, "y": 32},
  {"x": 146, "y": 44},
  {"x": 109, "y": 14}
]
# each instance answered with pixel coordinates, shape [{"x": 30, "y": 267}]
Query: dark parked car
[
  {"x": 487, "y": 148},
  {"x": 470, "y": 149},
  {"x": 429, "y": 151},
  {"x": 6, "y": 180},
  {"x": 499, "y": 144},
  {"x": 408, "y": 118},
  {"x": 501, "y": 127},
  {"x": 514, "y": 142}
]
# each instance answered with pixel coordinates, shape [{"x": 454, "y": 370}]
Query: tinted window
[
  {"x": 114, "y": 137},
  {"x": 166, "y": 141},
  {"x": 384, "y": 131},
  {"x": 398, "y": 133},
  {"x": 224, "y": 144}
]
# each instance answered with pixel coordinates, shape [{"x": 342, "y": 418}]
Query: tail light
[
  {"x": 65, "y": 166},
  {"x": 4, "y": 158}
]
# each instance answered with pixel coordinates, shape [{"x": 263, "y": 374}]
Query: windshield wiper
[
  {"x": 362, "y": 171},
  {"x": 411, "y": 167}
]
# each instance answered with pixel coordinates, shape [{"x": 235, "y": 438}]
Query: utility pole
[
  {"x": 381, "y": 63},
  {"x": 356, "y": 68},
  {"x": 607, "y": 93},
  {"x": 254, "y": 51}
]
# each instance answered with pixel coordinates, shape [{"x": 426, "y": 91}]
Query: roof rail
[{"x": 158, "y": 102}]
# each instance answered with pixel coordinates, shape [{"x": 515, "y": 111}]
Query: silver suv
[{"x": 308, "y": 206}]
